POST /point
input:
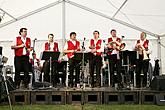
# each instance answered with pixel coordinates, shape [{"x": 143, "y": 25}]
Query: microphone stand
[
  {"x": 33, "y": 76},
  {"x": 82, "y": 74},
  {"x": 161, "y": 44},
  {"x": 107, "y": 65}
]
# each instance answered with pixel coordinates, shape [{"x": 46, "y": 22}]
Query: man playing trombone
[{"x": 143, "y": 47}]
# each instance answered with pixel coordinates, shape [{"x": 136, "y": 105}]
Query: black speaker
[
  {"x": 160, "y": 99},
  {"x": 0, "y": 50},
  {"x": 158, "y": 83}
]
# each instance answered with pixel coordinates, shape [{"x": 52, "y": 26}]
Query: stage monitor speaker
[
  {"x": 158, "y": 83},
  {"x": 160, "y": 99}
]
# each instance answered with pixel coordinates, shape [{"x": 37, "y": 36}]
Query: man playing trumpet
[{"x": 143, "y": 47}]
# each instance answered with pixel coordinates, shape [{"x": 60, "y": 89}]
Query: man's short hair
[
  {"x": 113, "y": 30},
  {"x": 21, "y": 30},
  {"x": 72, "y": 33},
  {"x": 96, "y": 31},
  {"x": 50, "y": 35}
]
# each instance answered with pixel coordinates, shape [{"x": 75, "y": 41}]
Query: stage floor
[{"x": 87, "y": 95}]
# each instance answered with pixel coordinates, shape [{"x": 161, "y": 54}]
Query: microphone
[
  {"x": 122, "y": 37},
  {"x": 35, "y": 38},
  {"x": 83, "y": 47}
]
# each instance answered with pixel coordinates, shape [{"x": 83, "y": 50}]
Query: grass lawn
[{"x": 85, "y": 107}]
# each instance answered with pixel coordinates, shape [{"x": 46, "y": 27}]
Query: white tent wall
[
  {"x": 148, "y": 15},
  {"x": 39, "y": 25},
  {"x": 163, "y": 54}
]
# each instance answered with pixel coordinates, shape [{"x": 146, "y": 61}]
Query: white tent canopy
[{"x": 60, "y": 17}]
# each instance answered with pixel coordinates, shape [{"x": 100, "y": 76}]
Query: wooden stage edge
[{"x": 103, "y": 95}]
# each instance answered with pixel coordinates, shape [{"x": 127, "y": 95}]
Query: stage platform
[{"x": 103, "y": 95}]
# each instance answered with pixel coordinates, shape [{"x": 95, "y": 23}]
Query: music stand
[
  {"x": 82, "y": 56},
  {"x": 79, "y": 56},
  {"x": 51, "y": 56},
  {"x": 128, "y": 59}
]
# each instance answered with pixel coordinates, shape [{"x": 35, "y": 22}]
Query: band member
[
  {"x": 51, "y": 45},
  {"x": 71, "y": 47},
  {"x": 22, "y": 48},
  {"x": 114, "y": 46},
  {"x": 143, "y": 47},
  {"x": 96, "y": 47},
  {"x": 35, "y": 62}
]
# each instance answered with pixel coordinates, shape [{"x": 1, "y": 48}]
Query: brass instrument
[
  {"x": 140, "y": 48},
  {"x": 113, "y": 46}
]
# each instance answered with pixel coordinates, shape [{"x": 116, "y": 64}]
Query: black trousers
[
  {"x": 95, "y": 62},
  {"x": 54, "y": 72},
  {"x": 74, "y": 65},
  {"x": 115, "y": 71},
  {"x": 141, "y": 71},
  {"x": 62, "y": 67},
  {"x": 21, "y": 65}
]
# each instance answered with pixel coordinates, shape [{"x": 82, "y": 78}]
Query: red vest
[
  {"x": 19, "y": 51},
  {"x": 145, "y": 44},
  {"x": 71, "y": 46},
  {"x": 97, "y": 46},
  {"x": 111, "y": 40},
  {"x": 55, "y": 48}
]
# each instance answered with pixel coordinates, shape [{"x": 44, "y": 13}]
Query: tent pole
[
  {"x": 163, "y": 35},
  {"x": 63, "y": 23},
  {"x": 119, "y": 8},
  {"x": 159, "y": 53},
  {"x": 108, "y": 17},
  {"x": 8, "y": 14},
  {"x": 31, "y": 13}
]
